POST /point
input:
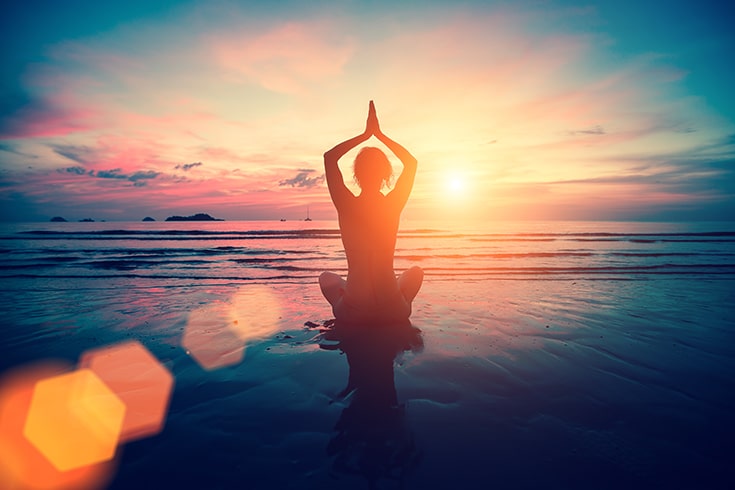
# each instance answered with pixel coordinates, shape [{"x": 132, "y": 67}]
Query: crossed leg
[
  {"x": 332, "y": 286},
  {"x": 410, "y": 282}
]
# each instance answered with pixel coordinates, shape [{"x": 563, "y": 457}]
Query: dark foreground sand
[{"x": 510, "y": 384}]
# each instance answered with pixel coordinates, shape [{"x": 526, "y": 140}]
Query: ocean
[
  {"x": 542, "y": 354},
  {"x": 201, "y": 253}
]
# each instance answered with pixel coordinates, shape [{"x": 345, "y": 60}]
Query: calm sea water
[
  {"x": 218, "y": 252},
  {"x": 570, "y": 355}
]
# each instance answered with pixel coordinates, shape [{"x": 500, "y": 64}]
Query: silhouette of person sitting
[{"x": 369, "y": 224}]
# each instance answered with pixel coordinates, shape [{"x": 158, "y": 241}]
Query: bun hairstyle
[{"x": 372, "y": 168}]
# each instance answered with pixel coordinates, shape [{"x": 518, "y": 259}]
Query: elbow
[{"x": 330, "y": 160}]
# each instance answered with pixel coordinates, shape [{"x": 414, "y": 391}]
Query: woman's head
[{"x": 372, "y": 169}]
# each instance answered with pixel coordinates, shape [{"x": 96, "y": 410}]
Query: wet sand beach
[{"x": 525, "y": 381}]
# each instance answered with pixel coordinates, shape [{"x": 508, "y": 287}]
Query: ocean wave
[
  {"x": 197, "y": 274},
  {"x": 157, "y": 234},
  {"x": 635, "y": 269},
  {"x": 211, "y": 254},
  {"x": 321, "y": 232}
]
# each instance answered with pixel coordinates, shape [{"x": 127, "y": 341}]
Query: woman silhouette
[{"x": 369, "y": 223}]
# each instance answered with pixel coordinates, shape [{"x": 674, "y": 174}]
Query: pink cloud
[
  {"x": 222, "y": 154},
  {"x": 49, "y": 118},
  {"x": 129, "y": 154},
  {"x": 287, "y": 58}
]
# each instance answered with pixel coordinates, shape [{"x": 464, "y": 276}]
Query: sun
[{"x": 455, "y": 185}]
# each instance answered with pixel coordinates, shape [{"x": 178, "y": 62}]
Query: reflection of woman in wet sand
[
  {"x": 372, "y": 436},
  {"x": 369, "y": 224}
]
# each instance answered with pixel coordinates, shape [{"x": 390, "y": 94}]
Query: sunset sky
[{"x": 515, "y": 110}]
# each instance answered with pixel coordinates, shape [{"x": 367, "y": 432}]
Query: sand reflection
[{"x": 372, "y": 438}]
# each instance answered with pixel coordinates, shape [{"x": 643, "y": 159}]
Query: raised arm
[
  {"x": 404, "y": 184},
  {"x": 335, "y": 182}
]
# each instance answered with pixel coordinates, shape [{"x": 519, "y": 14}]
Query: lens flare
[
  {"x": 74, "y": 419},
  {"x": 22, "y": 465},
  {"x": 216, "y": 334},
  {"x": 142, "y": 383}
]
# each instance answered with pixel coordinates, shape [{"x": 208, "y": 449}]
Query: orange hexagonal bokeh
[
  {"x": 209, "y": 339},
  {"x": 22, "y": 466},
  {"x": 139, "y": 380},
  {"x": 74, "y": 419},
  {"x": 216, "y": 334}
]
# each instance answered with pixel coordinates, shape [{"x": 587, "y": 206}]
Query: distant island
[
  {"x": 148, "y": 218},
  {"x": 86, "y": 220},
  {"x": 58, "y": 219},
  {"x": 194, "y": 217}
]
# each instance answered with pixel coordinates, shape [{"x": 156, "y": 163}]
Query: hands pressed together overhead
[
  {"x": 372, "y": 127},
  {"x": 335, "y": 182}
]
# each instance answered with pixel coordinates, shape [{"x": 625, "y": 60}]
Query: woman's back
[{"x": 369, "y": 225}]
